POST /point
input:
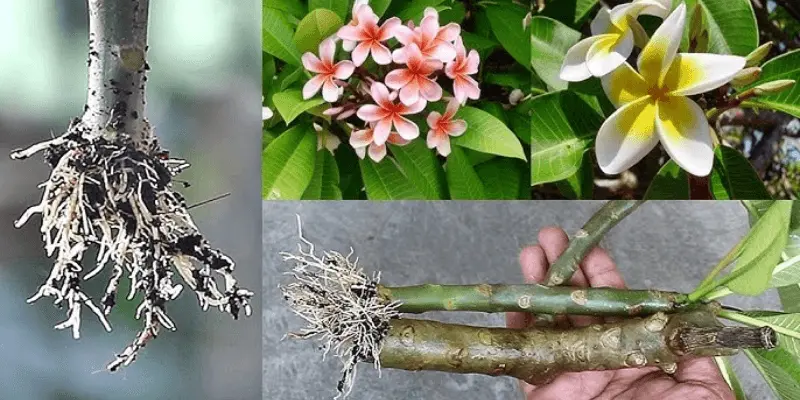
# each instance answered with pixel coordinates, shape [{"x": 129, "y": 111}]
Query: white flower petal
[
  {"x": 626, "y": 136},
  {"x": 683, "y": 129},
  {"x": 608, "y": 53},
  {"x": 574, "y": 68},
  {"x": 695, "y": 73},
  {"x": 659, "y": 52},
  {"x": 601, "y": 22}
]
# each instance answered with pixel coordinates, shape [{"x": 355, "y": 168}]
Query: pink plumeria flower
[
  {"x": 363, "y": 142},
  {"x": 414, "y": 82},
  {"x": 349, "y": 45},
  {"x": 444, "y": 126},
  {"x": 370, "y": 35},
  {"x": 328, "y": 74},
  {"x": 434, "y": 41},
  {"x": 460, "y": 69},
  {"x": 387, "y": 113}
]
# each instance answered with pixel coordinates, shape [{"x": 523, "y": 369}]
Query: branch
[
  {"x": 530, "y": 298},
  {"x": 587, "y": 237},
  {"x": 537, "y": 355}
]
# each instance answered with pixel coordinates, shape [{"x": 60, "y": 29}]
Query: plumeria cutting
[{"x": 384, "y": 93}]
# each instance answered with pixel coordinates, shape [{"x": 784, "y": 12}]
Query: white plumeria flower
[
  {"x": 653, "y": 105},
  {"x": 612, "y": 40},
  {"x": 266, "y": 113},
  {"x": 325, "y": 139}
]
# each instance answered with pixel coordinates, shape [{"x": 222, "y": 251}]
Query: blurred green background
[{"x": 203, "y": 99}]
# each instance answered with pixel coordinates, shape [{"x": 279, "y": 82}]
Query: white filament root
[
  {"x": 117, "y": 196},
  {"x": 341, "y": 305}
]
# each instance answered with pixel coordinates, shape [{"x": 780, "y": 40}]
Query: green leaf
[
  {"x": 563, "y": 127},
  {"x": 290, "y": 104},
  {"x": 276, "y": 36},
  {"x": 340, "y": 7},
  {"x": 502, "y": 178},
  {"x": 422, "y": 168},
  {"x": 731, "y": 25},
  {"x": 487, "y": 134},
  {"x": 733, "y": 177},
  {"x": 294, "y": 8},
  {"x": 288, "y": 76},
  {"x": 506, "y": 24},
  {"x": 550, "y": 40},
  {"x": 520, "y": 124},
  {"x": 579, "y": 186},
  {"x": 786, "y": 66},
  {"x": 463, "y": 181},
  {"x": 287, "y": 164},
  {"x": 790, "y": 298},
  {"x": 455, "y": 14},
  {"x": 324, "y": 184},
  {"x": 384, "y": 181},
  {"x": 726, "y": 368},
  {"x": 379, "y": 6},
  {"x": 415, "y": 9},
  {"x": 779, "y": 369},
  {"x": 477, "y": 42},
  {"x": 316, "y": 27},
  {"x": 671, "y": 183},
  {"x": 761, "y": 251},
  {"x": 267, "y": 70},
  {"x": 786, "y": 325},
  {"x": 519, "y": 79},
  {"x": 574, "y": 12}
]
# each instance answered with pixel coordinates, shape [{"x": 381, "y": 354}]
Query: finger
[
  {"x": 600, "y": 270},
  {"x": 554, "y": 241},
  {"x": 703, "y": 372},
  {"x": 573, "y": 385},
  {"x": 533, "y": 263}
]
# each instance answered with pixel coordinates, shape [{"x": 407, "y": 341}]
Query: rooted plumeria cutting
[
  {"x": 401, "y": 83},
  {"x": 653, "y": 100},
  {"x": 361, "y": 320},
  {"x": 111, "y": 190}
]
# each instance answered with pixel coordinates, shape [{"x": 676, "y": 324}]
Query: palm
[{"x": 694, "y": 379}]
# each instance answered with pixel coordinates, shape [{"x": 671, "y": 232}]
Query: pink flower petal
[
  {"x": 400, "y": 56},
  {"x": 405, "y": 128},
  {"x": 361, "y": 152},
  {"x": 381, "y": 131},
  {"x": 366, "y": 16},
  {"x": 444, "y": 147},
  {"x": 354, "y": 33},
  {"x": 444, "y": 52},
  {"x": 472, "y": 63},
  {"x": 450, "y": 32},
  {"x": 413, "y": 108},
  {"x": 450, "y": 69},
  {"x": 433, "y": 139},
  {"x": 414, "y": 55},
  {"x": 360, "y": 53},
  {"x": 452, "y": 108},
  {"x": 429, "y": 66},
  {"x": 361, "y": 138},
  {"x": 409, "y": 94},
  {"x": 311, "y": 87},
  {"x": 457, "y": 127},
  {"x": 343, "y": 69},
  {"x": 466, "y": 87},
  {"x": 431, "y": 12},
  {"x": 371, "y": 113},
  {"x": 429, "y": 28},
  {"x": 377, "y": 152},
  {"x": 348, "y": 45},
  {"x": 404, "y": 35},
  {"x": 380, "y": 94},
  {"x": 327, "y": 49},
  {"x": 433, "y": 118},
  {"x": 388, "y": 28},
  {"x": 398, "y": 78},
  {"x": 429, "y": 90},
  {"x": 312, "y": 63},
  {"x": 381, "y": 54},
  {"x": 396, "y": 139},
  {"x": 330, "y": 92}
]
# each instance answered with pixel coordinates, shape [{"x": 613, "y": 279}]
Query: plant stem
[
  {"x": 587, "y": 237},
  {"x": 117, "y": 67},
  {"x": 747, "y": 320},
  {"x": 532, "y": 298},
  {"x": 537, "y": 355}
]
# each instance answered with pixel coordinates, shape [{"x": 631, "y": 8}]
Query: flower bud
[
  {"x": 755, "y": 57},
  {"x": 746, "y": 77},
  {"x": 515, "y": 96},
  {"x": 526, "y": 22},
  {"x": 773, "y": 87}
]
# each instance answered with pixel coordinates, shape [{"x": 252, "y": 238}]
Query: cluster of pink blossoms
[{"x": 426, "y": 53}]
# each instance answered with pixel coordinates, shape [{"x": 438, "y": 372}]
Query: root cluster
[
  {"x": 115, "y": 195},
  {"x": 341, "y": 306}
]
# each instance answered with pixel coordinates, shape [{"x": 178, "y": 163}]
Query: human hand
[{"x": 697, "y": 378}]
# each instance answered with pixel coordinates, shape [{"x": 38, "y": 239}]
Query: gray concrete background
[{"x": 663, "y": 245}]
